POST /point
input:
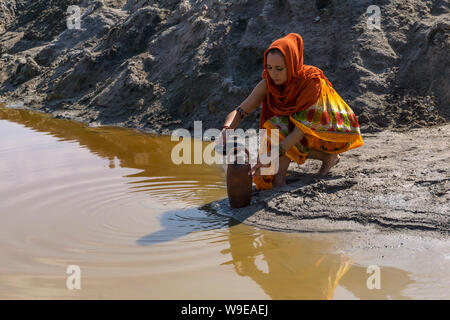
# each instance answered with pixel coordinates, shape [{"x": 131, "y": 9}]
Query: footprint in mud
[
  {"x": 427, "y": 183},
  {"x": 324, "y": 187}
]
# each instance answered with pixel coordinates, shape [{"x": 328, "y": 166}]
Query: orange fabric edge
[{"x": 354, "y": 138}]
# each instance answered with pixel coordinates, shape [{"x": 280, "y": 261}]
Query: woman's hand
[{"x": 256, "y": 170}]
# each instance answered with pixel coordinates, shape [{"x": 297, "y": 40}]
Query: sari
[{"x": 329, "y": 126}]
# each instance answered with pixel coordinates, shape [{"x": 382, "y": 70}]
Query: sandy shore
[
  {"x": 384, "y": 204},
  {"x": 398, "y": 182}
]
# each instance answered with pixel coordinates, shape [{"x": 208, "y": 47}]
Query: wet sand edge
[{"x": 396, "y": 182}]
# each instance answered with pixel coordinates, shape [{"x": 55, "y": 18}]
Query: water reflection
[
  {"x": 58, "y": 216},
  {"x": 296, "y": 267}
]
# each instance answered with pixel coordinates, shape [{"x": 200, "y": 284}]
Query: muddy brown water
[{"x": 110, "y": 201}]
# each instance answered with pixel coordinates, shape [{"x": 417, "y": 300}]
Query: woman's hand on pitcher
[{"x": 256, "y": 170}]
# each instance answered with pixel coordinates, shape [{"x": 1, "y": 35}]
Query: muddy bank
[
  {"x": 161, "y": 65},
  {"x": 397, "y": 182}
]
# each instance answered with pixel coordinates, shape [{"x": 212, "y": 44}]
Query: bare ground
[
  {"x": 396, "y": 182},
  {"x": 161, "y": 65}
]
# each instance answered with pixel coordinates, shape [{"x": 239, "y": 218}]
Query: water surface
[{"x": 111, "y": 201}]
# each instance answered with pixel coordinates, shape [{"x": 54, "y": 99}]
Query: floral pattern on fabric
[{"x": 329, "y": 125}]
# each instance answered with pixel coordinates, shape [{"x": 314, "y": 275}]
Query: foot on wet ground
[{"x": 327, "y": 164}]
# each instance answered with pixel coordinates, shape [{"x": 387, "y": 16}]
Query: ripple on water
[{"x": 66, "y": 203}]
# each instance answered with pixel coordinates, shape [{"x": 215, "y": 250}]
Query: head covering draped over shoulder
[{"x": 302, "y": 88}]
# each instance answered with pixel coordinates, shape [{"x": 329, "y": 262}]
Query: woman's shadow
[{"x": 218, "y": 214}]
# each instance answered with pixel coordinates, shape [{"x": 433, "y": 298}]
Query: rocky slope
[{"x": 160, "y": 65}]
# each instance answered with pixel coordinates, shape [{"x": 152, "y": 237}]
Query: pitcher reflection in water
[{"x": 298, "y": 100}]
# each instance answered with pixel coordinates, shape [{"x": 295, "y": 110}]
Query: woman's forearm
[
  {"x": 294, "y": 137},
  {"x": 232, "y": 119}
]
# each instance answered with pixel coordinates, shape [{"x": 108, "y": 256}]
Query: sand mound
[{"x": 160, "y": 65}]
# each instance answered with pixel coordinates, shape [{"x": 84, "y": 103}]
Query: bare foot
[{"x": 327, "y": 164}]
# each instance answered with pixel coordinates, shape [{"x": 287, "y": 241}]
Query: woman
[{"x": 314, "y": 122}]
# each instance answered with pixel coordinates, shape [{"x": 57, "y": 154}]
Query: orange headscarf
[{"x": 302, "y": 88}]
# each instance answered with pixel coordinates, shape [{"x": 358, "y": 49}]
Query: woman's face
[{"x": 276, "y": 67}]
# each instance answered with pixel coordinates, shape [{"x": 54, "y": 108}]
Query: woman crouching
[{"x": 314, "y": 122}]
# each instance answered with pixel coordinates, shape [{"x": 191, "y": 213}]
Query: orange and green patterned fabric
[{"x": 329, "y": 126}]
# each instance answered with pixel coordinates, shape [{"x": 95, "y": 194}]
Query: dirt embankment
[{"x": 160, "y": 65}]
